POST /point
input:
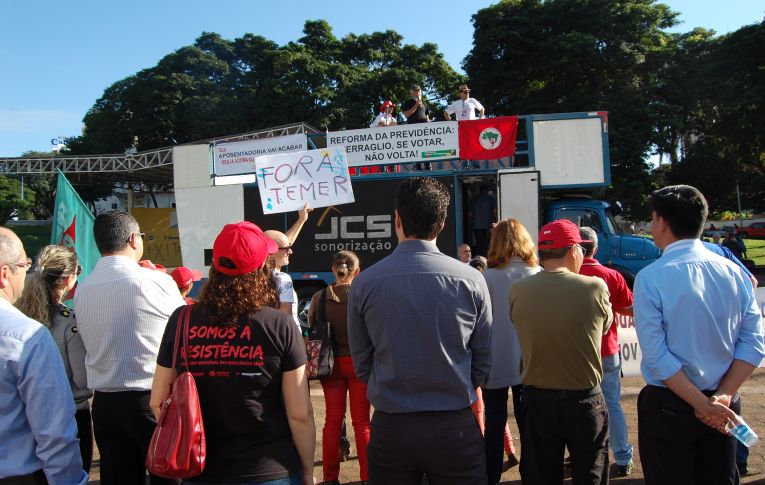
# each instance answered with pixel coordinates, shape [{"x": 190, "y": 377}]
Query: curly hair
[
  {"x": 55, "y": 263},
  {"x": 509, "y": 238},
  {"x": 224, "y": 299}
]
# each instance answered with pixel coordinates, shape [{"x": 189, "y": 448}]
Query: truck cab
[{"x": 626, "y": 253}]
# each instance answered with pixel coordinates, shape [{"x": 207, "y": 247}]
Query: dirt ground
[{"x": 753, "y": 394}]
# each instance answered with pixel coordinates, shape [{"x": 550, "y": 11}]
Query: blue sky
[{"x": 58, "y": 57}]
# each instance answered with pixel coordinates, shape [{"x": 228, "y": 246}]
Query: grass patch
[
  {"x": 33, "y": 237},
  {"x": 755, "y": 250}
]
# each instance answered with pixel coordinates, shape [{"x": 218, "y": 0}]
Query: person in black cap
[{"x": 416, "y": 111}]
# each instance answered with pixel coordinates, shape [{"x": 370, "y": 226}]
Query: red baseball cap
[
  {"x": 560, "y": 234},
  {"x": 145, "y": 263},
  {"x": 244, "y": 245},
  {"x": 184, "y": 276}
]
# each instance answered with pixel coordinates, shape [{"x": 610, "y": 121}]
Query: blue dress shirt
[
  {"x": 695, "y": 311},
  {"x": 37, "y": 426}
]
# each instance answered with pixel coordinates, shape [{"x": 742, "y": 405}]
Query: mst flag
[
  {"x": 488, "y": 139},
  {"x": 73, "y": 225}
]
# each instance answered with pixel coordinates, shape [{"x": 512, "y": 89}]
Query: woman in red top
[{"x": 343, "y": 381}]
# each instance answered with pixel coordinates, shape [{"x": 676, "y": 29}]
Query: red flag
[{"x": 488, "y": 139}]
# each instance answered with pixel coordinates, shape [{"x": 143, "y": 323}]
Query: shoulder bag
[
  {"x": 320, "y": 346},
  {"x": 177, "y": 448}
]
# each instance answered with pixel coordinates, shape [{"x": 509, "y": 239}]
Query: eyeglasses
[
  {"x": 79, "y": 270},
  {"x": 581, "y": 248},
  {"x": 286, "y": 248},
  {"x": 23, "y": 265},
  {"x": 139, "y": 234},
  {"x": 465, "y": 91}
]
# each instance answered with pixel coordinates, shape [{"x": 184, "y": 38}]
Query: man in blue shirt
[
  {"x": 38, "y": 434},
  {"x": 699, "y": 328}
]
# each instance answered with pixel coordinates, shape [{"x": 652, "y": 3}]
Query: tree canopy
[
  {"x": 696, "y": 98},
  {"x": 693, "y": 97},
  {"x": 218, "y": 87}
]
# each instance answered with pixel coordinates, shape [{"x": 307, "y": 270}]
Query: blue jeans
[
  {"x": 617, "y": 425},
  {"x": 293, "y": 480}
]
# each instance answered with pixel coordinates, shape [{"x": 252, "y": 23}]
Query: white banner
[
  {"x": 420, "y": 142},
  {"x": 319, "y": 178},
  {"x": 237, "y": 158}
]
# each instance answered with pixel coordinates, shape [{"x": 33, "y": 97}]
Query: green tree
[
  {"x": 218, "y": 87},
  {"x": 534, "y": 56},
  {"x": 716, "y": 88},
  {"x": 11, "y": 204}
]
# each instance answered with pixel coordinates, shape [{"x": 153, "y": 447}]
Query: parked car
[
  {"x": 720, "y": 231},
  {"x": 754, "y": 230}
]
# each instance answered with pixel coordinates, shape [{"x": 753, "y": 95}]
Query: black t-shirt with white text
[
  {"x": 238, "y": 372},
  {"x": 419, "y": 116}
]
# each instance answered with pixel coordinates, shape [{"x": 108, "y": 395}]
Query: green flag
[{"x": 73, "y": 225}]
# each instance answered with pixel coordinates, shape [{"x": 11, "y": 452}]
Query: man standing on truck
[
  {"x": 465, "y": 107},
  {"x": 419, "y": 324},
  {"x": 620, "y": 298},
  {"x": 416, "y": 111},
  {"x": 482, "y": 215},
  {"x": 700, "y": 332}
]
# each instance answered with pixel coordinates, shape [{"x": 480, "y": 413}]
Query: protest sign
[
  {"x": 319, "y": 178},
  {"x": 238, "y": 157},
  {"x": 398, "y": 144}
]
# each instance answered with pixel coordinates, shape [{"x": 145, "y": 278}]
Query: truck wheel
[
  {"x": 305, "y": 293},
  {"x": 629, "y": 277}
]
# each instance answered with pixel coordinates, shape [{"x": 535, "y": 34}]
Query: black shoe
[
  {"x": 743, "y": 469},
  {"x": 624, "y": 470},
  {"x": 345, "y": 450}
]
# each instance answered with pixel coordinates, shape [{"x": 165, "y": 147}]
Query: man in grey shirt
[{"x": 419, "y": 325}]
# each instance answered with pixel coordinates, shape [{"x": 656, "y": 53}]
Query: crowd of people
[{"x": 435, "y": 346}]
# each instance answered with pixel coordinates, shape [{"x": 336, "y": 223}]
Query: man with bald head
[
  {"x": 288, "y": 301},
  {"x": 37, "y": 427}
]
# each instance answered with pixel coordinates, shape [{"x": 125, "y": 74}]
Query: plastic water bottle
[{"x": 742, "y": 432}]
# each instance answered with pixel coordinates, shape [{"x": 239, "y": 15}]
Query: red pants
[
  {"x": 480, "y": 416},
  {"x": 341, "y": 383}
]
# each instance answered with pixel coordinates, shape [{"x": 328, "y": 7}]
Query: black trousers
[
  {"x": 495, "y": 405},
  {"x": 481, "y": 242},
  {"x": 446, "y": 447},
  {"x": 85, "y": 435},
  {"x": 551, "y": 425},
  {"x": 677, "y": 448},
  {"x": 123, "y": 425}
]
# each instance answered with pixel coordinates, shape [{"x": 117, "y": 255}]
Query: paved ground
[{"x": 754, "y": 411}]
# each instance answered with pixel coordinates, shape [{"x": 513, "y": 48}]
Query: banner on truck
[
  {"x": 398, "y": 144},
  {"x": 319, "y": 178},
  {"x": 238, "y": 158}
]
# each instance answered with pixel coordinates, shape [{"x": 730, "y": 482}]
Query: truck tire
[
  {"x": 305, "y": 293},
  {"x": 629, "y": 277}
]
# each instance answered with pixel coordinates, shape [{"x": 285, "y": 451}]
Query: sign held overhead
[{"x": 319, "y": 178}]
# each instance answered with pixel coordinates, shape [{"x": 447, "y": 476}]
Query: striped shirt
[{"x": 122, "y": 310}]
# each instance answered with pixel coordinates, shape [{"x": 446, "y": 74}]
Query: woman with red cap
[
  {"x": 248, "y": 359},
  {"x": 385, "y": 118}
]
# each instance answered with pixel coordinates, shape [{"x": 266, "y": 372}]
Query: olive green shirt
[{"x": 560, "y": 317}]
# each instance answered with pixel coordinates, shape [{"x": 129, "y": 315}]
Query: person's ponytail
[
  {"x": 345, "y": 264},
  {"x": 36, "y": 301}
]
